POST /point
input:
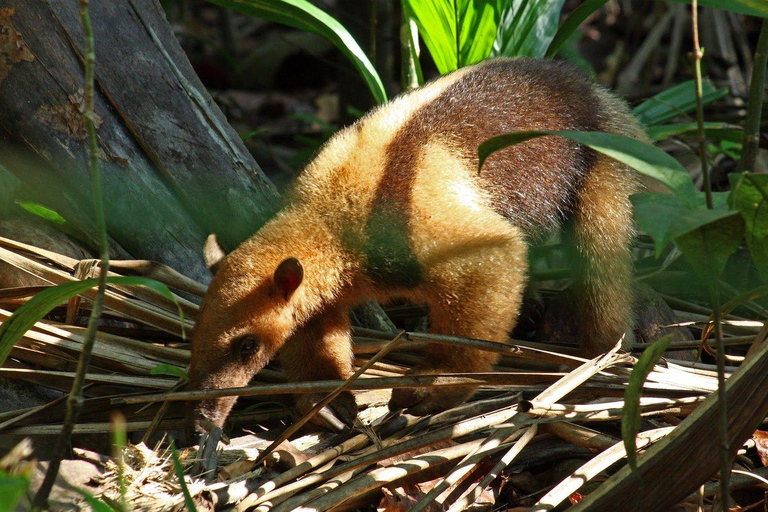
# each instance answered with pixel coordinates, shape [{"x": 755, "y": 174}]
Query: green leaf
[
  {"x": 527, "y": 27},
  {"x": 305, "y": 16},
  {"x": 642, "y": 157},
  {"x": 714, "y": 236},
  {"x": 12, "y": 489},
  {"x": 655, "y": 214},
  {"x": 254, "y": 133},
  {"x": 456, "y": 32},
  {"x": 665, "y": 218},
  {"x": 43, "y": 302},
  {"x": 42, "y": 211},
  {"x": 478, "y": 27},
  {"x": 717, "y": 131},
  {"x": 572, "y": 23},
  {"x": 749, "y": 195},
  {"x": 630, "y": 417},
  {"x": 188, "y": 502},
  {"x": 674, "y": 102},
  {"x": 751, "y": 7},
  {"x": 96, "y": 504},
  {"x": 170, "y": 370}
]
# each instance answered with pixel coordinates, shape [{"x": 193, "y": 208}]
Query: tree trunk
[{"x": 173, "y": 170}]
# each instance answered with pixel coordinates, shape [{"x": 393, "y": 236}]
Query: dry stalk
[
  {"x": 553, "y": 393},
  {"x": 593, "y": 467}
]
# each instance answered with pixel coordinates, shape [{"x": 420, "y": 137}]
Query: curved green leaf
[
  {"x": 305, "y": 16},
  {"x": 12, "y": 330},
  {"x": 42, "y": 211},
  {"x": 169, "y": 370},
  {"x": 716, "y": 131},
  {"x": 630, "y": 416},
  {"x": 572, "y": 23},
  {"x": 527, "y": 27},
  {"x": 642, "y": 157},
  {"x": 674, "y": 102}
]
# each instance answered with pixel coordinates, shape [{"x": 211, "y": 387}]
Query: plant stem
[
  {"x": 725, "y": 462},
  {"x": 725, "y": 470},
  {"x": 754, "y": 110},
  {"x": 698, "y": 54},
  {"x": 457, "y": 21},
  {"x": 75, "y": 399}
]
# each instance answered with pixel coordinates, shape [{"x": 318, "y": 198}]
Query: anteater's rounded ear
[
  {"x": 213, "y": 254},
  {"x": 288, "y": 277}
]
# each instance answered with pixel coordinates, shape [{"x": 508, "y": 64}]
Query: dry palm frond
[{"x": 482, "y": 448}]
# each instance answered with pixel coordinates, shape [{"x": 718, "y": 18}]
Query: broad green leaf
[
  {"x": 717, "y": 131},
  {"x": 751, "y": 7},
  {"x": 630, "y": 416},
  {"x": 479, "y": 25},
  {"x": 665, "y": 217},
  {"x": 305, "y": 16},
  {"x": 188, "y": 502},
  {"x": 572, "y": 23},
  {"x": 642, "y": 157},
  {"x": 655, "y": 215},
  {"x": 12, "y": 489},
  {"x": 674, "y": 102},
  {"x": 43, "y": 302},
  {"x": 714, "y": 237},
  {"x": 169, "y": 370},
  {"x": 527, "y": 27},
  {"x": 750, "y": 196},
  {"x": 456, "y": 32},
  {"x": 42, "y": 212}
]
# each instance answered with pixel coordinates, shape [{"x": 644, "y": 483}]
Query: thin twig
[{"x": 75, "y": 399}]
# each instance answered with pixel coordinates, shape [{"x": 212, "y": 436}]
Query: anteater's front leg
[{"x": 322, "y": 350}]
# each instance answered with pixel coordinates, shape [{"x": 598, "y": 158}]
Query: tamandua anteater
[{"x": 394, "y": 206}]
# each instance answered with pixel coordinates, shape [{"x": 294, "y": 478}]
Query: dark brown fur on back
[{"x": 531, "y": 183}]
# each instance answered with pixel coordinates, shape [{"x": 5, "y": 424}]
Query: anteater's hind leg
[
  {"x": 601, "y": 233},
  {"x": 476, "y": 294}
]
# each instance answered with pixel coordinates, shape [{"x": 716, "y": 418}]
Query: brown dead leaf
[
  {"x": 761, "y": 443},
  {"x": 13, "y": 49}
]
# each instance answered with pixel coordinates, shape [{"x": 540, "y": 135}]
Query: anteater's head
[{"x": 246, "y": 316}]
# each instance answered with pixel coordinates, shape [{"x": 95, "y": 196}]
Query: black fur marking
[{"x": 389, "y": 255}]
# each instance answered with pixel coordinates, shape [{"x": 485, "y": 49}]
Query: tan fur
[{"x": 393, "y": 206}]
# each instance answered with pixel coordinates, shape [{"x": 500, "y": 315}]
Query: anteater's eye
[{"x": 246, "y": 346}]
